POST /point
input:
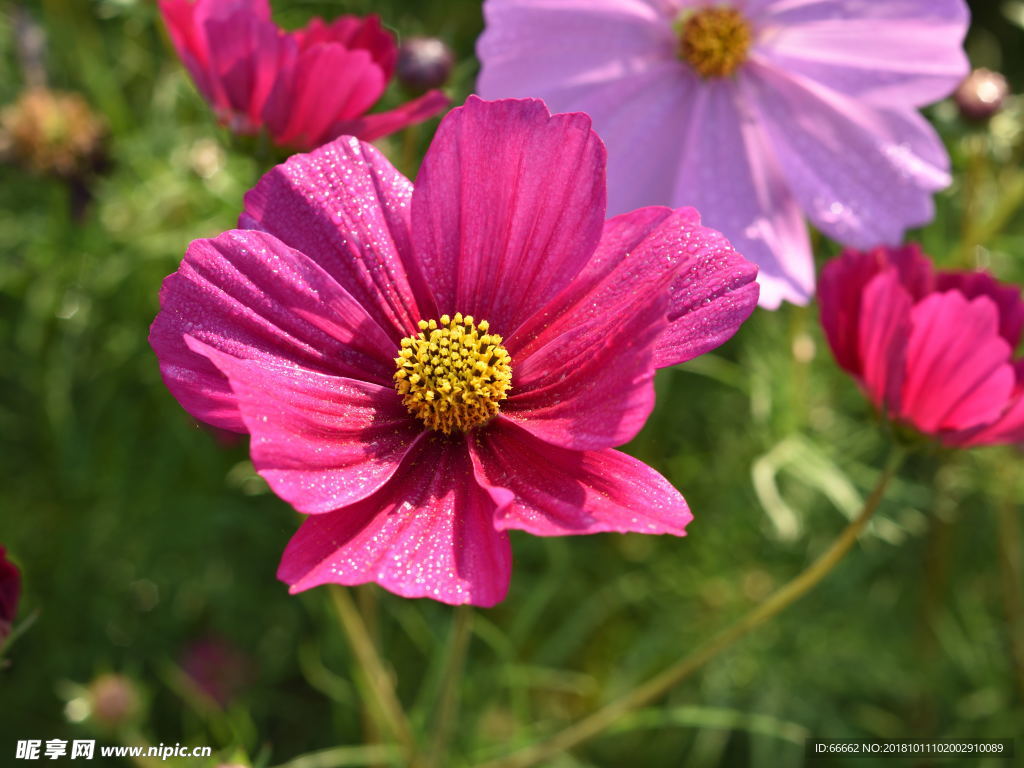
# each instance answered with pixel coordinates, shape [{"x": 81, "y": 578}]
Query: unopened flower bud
[
  {"x": 981, "y": 95},
  {"x": 424, "y": 63},
  {"x": 114, "y": 700},
  {"x": 51, "y": 132}
]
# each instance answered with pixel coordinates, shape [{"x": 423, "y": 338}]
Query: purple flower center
[
  {"x": 453, "y": 374},
  {"x": 714, "y": 41}
]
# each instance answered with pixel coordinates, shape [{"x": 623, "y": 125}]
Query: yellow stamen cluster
[
  {"x": 714, "y": 41},
  {"x": 453, "y": 374}
]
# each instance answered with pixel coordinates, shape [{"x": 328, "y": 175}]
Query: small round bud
[
  {"x": 114, "y": 700},
  {"x": 981, "y": 95},
  {"x": 424, "y": 63}
]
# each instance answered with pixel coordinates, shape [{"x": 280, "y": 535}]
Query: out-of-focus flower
[
  {"x": 934, "y": 350},
  {"x": 424, "y": 63},
  {"x": 113, "y": 701},
  {"x": 306, "y": 86},
  {"x": 422, "y": 370},
  {"x": 217, "y": 668},
  {"x": 756, "y": 112},
  {"x": 51, "y": 132},
  {"x": 10, "y": 594},
  {"x": 982, "y": 94}
]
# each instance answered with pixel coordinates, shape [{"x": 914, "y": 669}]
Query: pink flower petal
[
  {"x": 196, "y": 28},
  {"x": 327, "y": 83},
  {"x": 428, "y": 533},
  {"x": 883, "y": 331},
  {"x": 1006, "y": 297},
  {"x": 322, "y": 442},
  {"x": 583, "y": 365},
  {"x": 347, "y": 208},
  {"x": 729, "y": 173},
  {"x": 355, "y": 33},
  {"x": 859, "y": 182},
  {"x": 958, "y": 371},
  {"x": 841, "y": 290},
  {"x": 508, "y": 208},
  {"x": 895, "y": 53},
  {"x": 711, "y": 294},
  {"x": 1008, "y": 429},
  {"x": 244, "y": 63},
  {"x": 372, "y": 127},
  {"x": 248, "y": 295},
  {"x": 710, "y": 299},
  {"x": 556, "y": 492}
]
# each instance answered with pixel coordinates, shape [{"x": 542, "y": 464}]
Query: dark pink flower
[
  {"x": 306, "y": 86},
  {"x": 422, "y": 370},
  {"x": 10, "y": 593},
  {"x": 217, "y": 668},
  {"x": 932, "y": 350}
]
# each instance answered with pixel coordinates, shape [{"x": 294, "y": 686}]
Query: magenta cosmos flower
[
  {"x": 10, "y": 592},
  {"x": 932, "y": 350},
  {"x": 422, "y": 370},
  {"x": 757, "y": 112},
  {"x": 306, "y": 86}
]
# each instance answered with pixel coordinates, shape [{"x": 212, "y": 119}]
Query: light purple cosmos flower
[
  {"x": 757, "y": 112},
  {"x": 422, "y": 370}
]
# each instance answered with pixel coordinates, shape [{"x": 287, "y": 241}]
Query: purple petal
[
  {"x": 248, "y": 295},
  {"x": 508, "y": 208},
  {"x": 347, "y": 208},
  {"x": 896, "y": 53},
  {"x": 850, "y": 168},
  {"x": 583, "y": 41},
  {"x": 558, "y": 492},
  {"x": 729, "y": 174},
  {"x": 321, "y": 442},
  {"x": 428, "y": 533}
]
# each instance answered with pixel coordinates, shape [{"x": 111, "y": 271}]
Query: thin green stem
[
  {"x": 664, "y": 681},
  {"x": 378, "y": 681},
  {"x": 1012, "y": 562},
  {"x": 448, "y": 700}
]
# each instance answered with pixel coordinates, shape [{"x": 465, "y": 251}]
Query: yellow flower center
[
  {"x": 714, "y": 41},
  {"x": 453, "y": 373}
]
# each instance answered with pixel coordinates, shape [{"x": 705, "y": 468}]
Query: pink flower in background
[
  {"x": 306, "y": 86},
  {"x": 423, "y": 369},
  {"x": 217, "y": 668},
  {"x": 756, "y": 112},
  {"x": 932, "y": 350},
  {"x": 10, "y": 593}
]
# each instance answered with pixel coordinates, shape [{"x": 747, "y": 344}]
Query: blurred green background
[{"x": 149, "y": 547}]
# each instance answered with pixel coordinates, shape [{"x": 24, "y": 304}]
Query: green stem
[
  {"x": 448, "y": 700},
  {"x": 664, "y": 681},
  {"x": 1012, "y": 562},
  {"x": 378, "y": 682}
]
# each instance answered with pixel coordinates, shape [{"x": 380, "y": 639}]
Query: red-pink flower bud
[{"x": 10, "y": 592}]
